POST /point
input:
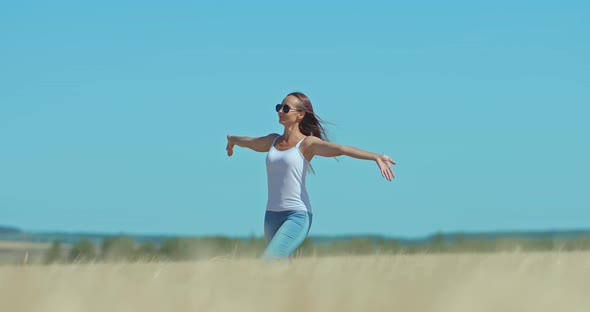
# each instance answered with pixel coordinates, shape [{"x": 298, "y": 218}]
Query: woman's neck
[{"x": 292, "y": 133}]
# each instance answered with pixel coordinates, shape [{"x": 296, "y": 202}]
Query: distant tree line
[
  {"x": 9, "y": 230},
  {"x": 125, "y": 248}
]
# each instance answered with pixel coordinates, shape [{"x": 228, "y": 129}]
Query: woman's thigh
[{"x": 284, "y": 232}]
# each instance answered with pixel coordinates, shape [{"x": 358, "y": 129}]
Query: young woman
[{"x": 288, "y": 210}]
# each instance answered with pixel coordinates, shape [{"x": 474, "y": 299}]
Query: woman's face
[{"x": 294, "y": 115}]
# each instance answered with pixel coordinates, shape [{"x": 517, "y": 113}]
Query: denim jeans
[{"x": 284, "y": 231}]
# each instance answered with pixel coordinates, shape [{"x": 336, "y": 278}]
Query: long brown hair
[{"x": 311, "y": 123}]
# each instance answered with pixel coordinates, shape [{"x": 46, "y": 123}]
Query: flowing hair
[{"x": 311, "y": 124}]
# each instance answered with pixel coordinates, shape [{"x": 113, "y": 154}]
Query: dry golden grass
[
  {"x": 23, "y": 245},
  {"x": 19, "y": 252},
  {"x": 456, "y": 282}
]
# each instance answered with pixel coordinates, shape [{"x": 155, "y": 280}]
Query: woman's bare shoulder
[
  {"x": 309, "y": 141},
  {"x": 271, "y": 137}
]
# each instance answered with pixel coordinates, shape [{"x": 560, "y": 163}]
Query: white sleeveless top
[{"x": 286, "y": 171}]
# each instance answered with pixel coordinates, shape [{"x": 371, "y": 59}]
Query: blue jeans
[{"x": 284, "y": 231}]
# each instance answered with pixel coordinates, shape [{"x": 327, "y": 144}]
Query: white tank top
[{"x": 286, "y": 171}]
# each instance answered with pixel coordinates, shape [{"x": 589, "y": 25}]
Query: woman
[{"x": 288, "y": 210}]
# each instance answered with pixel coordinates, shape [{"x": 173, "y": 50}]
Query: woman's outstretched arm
[
  {"x": 323, "y": 148},
  {"x": 260, "y": 144}
]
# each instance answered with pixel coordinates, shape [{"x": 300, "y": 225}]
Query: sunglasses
[{"x": 285, "y": 108}]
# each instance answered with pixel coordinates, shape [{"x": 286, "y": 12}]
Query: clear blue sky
[{"x": 114, "y": 115}]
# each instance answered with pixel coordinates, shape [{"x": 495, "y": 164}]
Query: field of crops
[{"x": 425, "y": 282}]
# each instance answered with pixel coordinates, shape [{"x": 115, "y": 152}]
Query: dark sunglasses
[{"x": 286, "y": 108}]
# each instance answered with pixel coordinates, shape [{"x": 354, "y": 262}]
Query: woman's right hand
[
  {"x": 384, "y": 162},
  {"x": 230, "y": 146}
]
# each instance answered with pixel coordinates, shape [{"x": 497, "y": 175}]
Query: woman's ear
[{"x": 300, "y": 115}]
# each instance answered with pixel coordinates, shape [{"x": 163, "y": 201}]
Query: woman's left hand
[{"x": 384, "y": 162}]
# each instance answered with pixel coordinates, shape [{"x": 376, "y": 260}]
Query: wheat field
[{"x": 425, "y": 282}]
